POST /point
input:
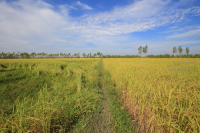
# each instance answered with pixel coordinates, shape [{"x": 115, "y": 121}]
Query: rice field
[
  {"x": 162, "y": 95},
  {"x": 46, "y": 95},
  {"x": 100, "y": 95}
]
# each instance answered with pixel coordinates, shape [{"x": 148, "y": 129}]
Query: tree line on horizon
[{"x": 25, "y": 55}]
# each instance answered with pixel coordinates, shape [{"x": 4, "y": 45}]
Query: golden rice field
[
  {"x": 100, "y": 95},
  {"x": 162, "y": 95}
]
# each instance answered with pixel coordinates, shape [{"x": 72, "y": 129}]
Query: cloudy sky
[{"x": 107, "y": 26}]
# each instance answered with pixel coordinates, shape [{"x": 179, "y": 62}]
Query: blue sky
[{"x": 107, "y": 26}]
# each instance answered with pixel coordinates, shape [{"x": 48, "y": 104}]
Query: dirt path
[
  {"x": 102, "y": 120},
  {"x": 106, "y": 115},
  {"x": 110, "y": 117}
]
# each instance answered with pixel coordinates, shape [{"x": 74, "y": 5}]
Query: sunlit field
[
  {"x": 46, "y": 95},
  {"x": 100, "y": 95},
  {"x": 162, "y": 95}
]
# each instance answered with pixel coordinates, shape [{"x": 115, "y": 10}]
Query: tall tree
[
  {"x": 46, "y": 55},
  {"x": 65, "y": 55},
  {"x": 76, "y": 55},
  {"x": 84, "y": 55},
  {"x": 1, "y": 55},
  {"x": 79, "y": 55},
  {"x": 33, "y": 54},
  {"x": 26, "y": 55},
  {"x": 61, "y": 55},
  {"x": 180, "y": 50},
  {"x": 140, "y": 50},
  {"x": 43, "y": 54},
  {"x": 187, "y": 50},
  {"x": 98, "y": 53},
  {"x": 57, "y": 55},
  {"x": 101, "y": 55},
  {"x": 174, "y": 50},
  {"x": 22, "y": 55},
  {"x": 95, "y": 55},
  {"x": 38, "y": 54},
  {"x": 4, "y": 55},
  {"x": 145, "y": 49}
]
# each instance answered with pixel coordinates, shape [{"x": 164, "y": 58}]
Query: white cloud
[
  {"x": 84, "y": 6},
  {"x": 186, "y": 34},
  {"x": 33, "y": 25},
  {"x": 177, "y": 30},
  {"x": 24, "y": 25},
  {"x": 172, "y": 44},
  {"x": 173, "y": 27},
  {"x": 31, "y": 21},
  {"x": 65, "y": 9},
  {"x": 139, "y": 16}
]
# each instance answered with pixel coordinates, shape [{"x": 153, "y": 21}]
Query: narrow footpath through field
[
  {"x": 105, "y": 117},
  {"x": 111, "y": 117}
]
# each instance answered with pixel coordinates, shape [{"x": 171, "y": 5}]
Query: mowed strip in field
[
  {"x": 94, "y": 95},
  {"x": 162, "y": 95}
]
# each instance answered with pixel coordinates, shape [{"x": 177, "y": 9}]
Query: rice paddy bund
[{"x": 100, "y": 95}]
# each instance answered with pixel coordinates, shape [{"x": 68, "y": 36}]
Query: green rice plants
[
  {"x": 71, "y": 72},
  {"x": 3, "y": 66},
  {"x": 20, "y": 66},
  {"x": 83, "y": 80},
  {"x": 40, "y": 72},
  {"x": 39, "y": 100},
  {"x": 62, "y": 67}
]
